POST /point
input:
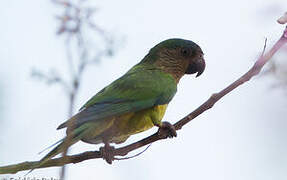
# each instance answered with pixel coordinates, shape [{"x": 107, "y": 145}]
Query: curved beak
[{"x": 197, "y": 66}]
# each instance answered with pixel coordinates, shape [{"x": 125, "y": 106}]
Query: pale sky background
[{"x": 241, "y": 137}]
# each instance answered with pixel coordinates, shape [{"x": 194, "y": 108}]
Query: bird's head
[{"x": 177, "y": 57}]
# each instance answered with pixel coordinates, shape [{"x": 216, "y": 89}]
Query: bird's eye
[{"x": 185, "y": 52}]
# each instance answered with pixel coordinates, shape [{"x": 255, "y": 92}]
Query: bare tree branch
[
  {"x": 122, "y": 151},
  {"x": 75, "y": 19}
]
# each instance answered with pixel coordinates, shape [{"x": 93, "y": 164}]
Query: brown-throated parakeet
[{"x": 136, "y": 101}]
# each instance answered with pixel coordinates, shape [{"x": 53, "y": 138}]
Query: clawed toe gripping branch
[
  {"x": 166, "y": 130},
  {"x": 109, "y": 153}
]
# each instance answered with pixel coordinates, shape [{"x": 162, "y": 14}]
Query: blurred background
[{"x": 242, "y": 137}]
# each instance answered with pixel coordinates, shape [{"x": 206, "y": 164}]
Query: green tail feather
[{"x": 75, "y": 136}]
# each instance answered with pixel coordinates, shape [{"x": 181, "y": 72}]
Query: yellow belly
[
  {"x": 132, "y": 123},
  {"x": 118, "y": 129}
]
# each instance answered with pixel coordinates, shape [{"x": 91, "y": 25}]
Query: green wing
[{"x": 140, "y": 88}]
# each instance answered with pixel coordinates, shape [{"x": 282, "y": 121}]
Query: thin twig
[
  {"x": 130, "y": 157},
  {"x": 264, "y": 47}
]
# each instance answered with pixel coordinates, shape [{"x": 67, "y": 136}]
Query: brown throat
[{"x": 172, "y": 65}]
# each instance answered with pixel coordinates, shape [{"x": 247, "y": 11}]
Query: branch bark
[{"x": 122, "y": 151}]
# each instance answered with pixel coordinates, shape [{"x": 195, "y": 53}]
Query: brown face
[
  {"x": 177, "y": 57},
  {"x": 196, "y": 61}
]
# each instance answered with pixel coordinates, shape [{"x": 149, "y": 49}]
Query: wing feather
[{"x": 138, "y": 89}]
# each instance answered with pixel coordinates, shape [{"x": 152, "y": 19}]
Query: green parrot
[{"x": 135, "y": 102}]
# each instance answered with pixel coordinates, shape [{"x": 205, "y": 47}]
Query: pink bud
[{"x": 283, "y": 19}]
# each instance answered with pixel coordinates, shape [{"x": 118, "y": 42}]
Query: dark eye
[{"x": 185, "y": 52}]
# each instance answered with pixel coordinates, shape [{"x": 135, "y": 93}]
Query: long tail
[{"x": 75, "y": 136}]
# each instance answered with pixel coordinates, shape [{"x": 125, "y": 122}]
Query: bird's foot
[
  {"x": 107, "y": 153},
  {"x": 166, "y": 130}
]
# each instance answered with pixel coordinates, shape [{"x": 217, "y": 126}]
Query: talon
[
  {"x": 166, "y": 130},
  {"x": 108, "y": 153}
]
